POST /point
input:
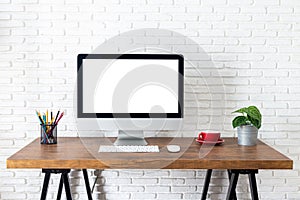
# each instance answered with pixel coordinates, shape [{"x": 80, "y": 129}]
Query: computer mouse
[{"x": 173, "y": 148}]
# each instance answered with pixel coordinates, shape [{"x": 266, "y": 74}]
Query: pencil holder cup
[{"x": 48, "y": 134}]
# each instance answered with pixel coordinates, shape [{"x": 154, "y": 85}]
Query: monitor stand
[{"x": 130, "y": 138}]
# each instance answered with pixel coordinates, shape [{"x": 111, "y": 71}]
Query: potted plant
[{"x": 247, "y": 125}]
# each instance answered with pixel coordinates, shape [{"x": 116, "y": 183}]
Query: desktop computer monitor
[{"x": 130, "y": 93}]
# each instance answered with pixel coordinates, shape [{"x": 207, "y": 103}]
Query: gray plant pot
[{"x": 247, "y": 135}]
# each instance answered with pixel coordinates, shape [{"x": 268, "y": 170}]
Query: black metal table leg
[
  {"x": 233, "y": 176},
  {"x": 67, "y": 186},
  {"x": 61, "y": 182},
  {"x": 64, "y": 173},
  {"x": 253, "y": 186},
  {"x": 206, "y": 184},
  {"x": 64, "y": 180},
  {"x": 87, "y": 184},
  {"x": 229, "y": 177},
  {"x": 45, "y": 185},
  {"x": 233, "y": 181}
]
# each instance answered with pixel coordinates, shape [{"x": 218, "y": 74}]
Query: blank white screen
[{"x": 130, "y": 86}]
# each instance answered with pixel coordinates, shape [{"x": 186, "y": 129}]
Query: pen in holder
[{"x": 48, "y": 134}]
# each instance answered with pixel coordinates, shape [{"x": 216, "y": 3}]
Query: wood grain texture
[{"x": 82, "y": 153}]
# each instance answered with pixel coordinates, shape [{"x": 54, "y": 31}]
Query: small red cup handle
[{"x": 200, "y": 136}]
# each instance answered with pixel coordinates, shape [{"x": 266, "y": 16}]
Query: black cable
[{"x": 94, "y": 184}]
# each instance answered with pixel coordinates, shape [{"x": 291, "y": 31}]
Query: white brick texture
[{"x": 248, "y": 52}]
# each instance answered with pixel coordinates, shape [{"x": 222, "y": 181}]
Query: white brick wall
[{"x": 254, "y": 46}]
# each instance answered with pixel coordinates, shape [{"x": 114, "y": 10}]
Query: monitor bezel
[{"x": 81, "y": 57}]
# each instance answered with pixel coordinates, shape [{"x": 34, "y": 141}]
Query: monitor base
[{"x": 130, "y": 138}]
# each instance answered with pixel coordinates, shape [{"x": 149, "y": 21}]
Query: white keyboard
[{"x": 132, "y": 149}]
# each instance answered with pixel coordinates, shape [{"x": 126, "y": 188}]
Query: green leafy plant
[{"x": 250, "y": 116}]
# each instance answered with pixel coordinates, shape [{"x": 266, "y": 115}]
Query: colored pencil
[
  {"x": 39, "y": 116},
  {"x": 47, "y": 117},
  {"x": 62, "y": 114},
  {"x": 56, "y": 116}
]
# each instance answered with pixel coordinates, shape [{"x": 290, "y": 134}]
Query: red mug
[{"x": 209, "y": 136}]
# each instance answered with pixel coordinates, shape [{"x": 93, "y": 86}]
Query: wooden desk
[{"x": 82, "y": 153}]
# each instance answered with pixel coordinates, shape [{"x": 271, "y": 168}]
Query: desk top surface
[{"x": 82, "y": 153}]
